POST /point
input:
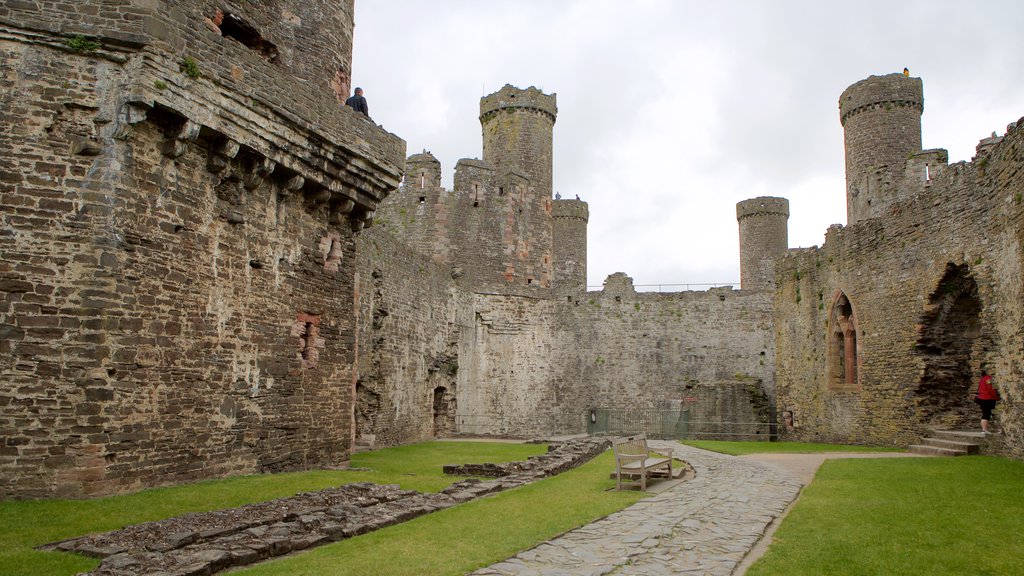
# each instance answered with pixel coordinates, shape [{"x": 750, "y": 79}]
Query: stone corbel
[
  {"x": 361, "y": 218},
  {"x": 130, "y": 114},
  {"x": 177, "y": 143},
  {"x": 290, "y": 186},
  {"x": 256, "y": 172},
  {"x": 316, "y": 197},
  {"x": 368, "y": 218},
  {"x": 339, "y": 210},
  {"x": 221, "y": 155}
]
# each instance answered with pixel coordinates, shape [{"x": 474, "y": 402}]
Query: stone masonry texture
[
  {"x": 178, "y": 235},
  {"x": 211, "y": 267},
  {"x": 881, "y": 118},
  {"x": 934, "y": 286},
  {"x": 764, "y": 236},
  {"x": 453, "y": 338}
]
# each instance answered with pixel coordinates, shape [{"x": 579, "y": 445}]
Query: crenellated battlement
[
  {"x": 510, "y": 97},
  {"x": 570, "y": 210},
  {"x": 891, "y": 90},
  {"x": 762, "y": 205},
  {"x": 498, "y": 227},
  {"x": 881, "y": 118}
]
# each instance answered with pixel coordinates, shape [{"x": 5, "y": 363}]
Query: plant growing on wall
[
  {"x": 82, "y": 44},
  {"x": 189, "y": 67}
]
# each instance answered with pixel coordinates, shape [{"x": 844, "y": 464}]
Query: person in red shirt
[{"x": 986, "y": 399}]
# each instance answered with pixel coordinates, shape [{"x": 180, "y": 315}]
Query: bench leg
[
  {"x": 643, "y": 480},
  {"x": 618, "y": 479}
]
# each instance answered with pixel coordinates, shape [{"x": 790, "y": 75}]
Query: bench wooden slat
[{"x": 632, "y": 457}]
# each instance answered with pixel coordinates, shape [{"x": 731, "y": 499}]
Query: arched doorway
[
  {"x": 443, "y": 412},
  {"x": 949, "y": 326}
]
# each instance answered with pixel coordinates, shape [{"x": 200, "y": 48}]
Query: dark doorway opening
[
  {"x": 443, "y": 412},
  {"x": 950, "y": 325}
]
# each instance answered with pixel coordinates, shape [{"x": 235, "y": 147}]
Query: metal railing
[
  {"x": 675, "y": 424},
  {"x": 671, "y": 287},
  {"x": 671, "y": 424},
  {"x": 533, "y": 425}
]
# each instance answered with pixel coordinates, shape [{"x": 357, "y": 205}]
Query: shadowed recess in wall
[{"x": 950, "y": 327}]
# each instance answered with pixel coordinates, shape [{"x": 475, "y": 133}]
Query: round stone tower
[
  {"x": 881, "y": 118},
  {"x": 570, "y": 245},
  {"x": 517, "y": 133},
  {"x": 764, "y": 236}
]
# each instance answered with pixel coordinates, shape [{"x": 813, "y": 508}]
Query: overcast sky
[{"x": 671, "y": 111}]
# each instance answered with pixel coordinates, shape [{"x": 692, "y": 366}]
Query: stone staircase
[
  {"x": 365, "y": 443},
  {"x": 951, "y": 443}
]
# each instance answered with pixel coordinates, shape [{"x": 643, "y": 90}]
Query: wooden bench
[{"x": 632, "y": 458}]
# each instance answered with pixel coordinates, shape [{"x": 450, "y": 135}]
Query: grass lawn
[
  {"x": 460, "y": 539},
  {"x": 26, "y": 524},
  {"x": 741, "y": 448},
  {"x": 901, "y": 516}
]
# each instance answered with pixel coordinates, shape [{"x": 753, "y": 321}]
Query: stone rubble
[{"x": 201, "y": 544}]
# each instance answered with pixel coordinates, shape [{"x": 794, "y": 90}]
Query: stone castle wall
[
  {"x": 540, "y": 365},
  {"x": 526, "y": 366},
  {"x": 495, "y": 227},
  {"x": 454, "y": 323},
  {"x": 410, "y": 315},
  {"x": 176, "y": 292},
  {"x": 934, "y": 285}
]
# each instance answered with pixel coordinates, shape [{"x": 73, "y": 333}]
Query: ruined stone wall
[
  {"x": 934, "y": 285},
  {"x": 176, "y": 287},
  {"x": 538, "y": 366},
  {"x": 410, "y": 315}
]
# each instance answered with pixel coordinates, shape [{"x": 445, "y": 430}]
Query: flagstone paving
[{"x": 705, "y": 525}]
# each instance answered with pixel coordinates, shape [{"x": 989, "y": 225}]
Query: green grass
[
  {"x": 741, "y": 448},
  {"x": 461, "y": 539},
  {"x": 901, "y": 516},
  {"x": 26, "y": 524}
]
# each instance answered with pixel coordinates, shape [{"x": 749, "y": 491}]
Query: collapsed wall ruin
[{"x": 883, "y": 330}]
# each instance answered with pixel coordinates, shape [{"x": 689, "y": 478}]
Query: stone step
[
  {"x": 365, "y": 443},
  {"x": 960, "y": 435},
  {"x": 968, "y": 447},
  {"x": 935, "y": 450}
]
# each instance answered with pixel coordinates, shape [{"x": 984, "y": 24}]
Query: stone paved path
[{"x": 705, "y": 525}]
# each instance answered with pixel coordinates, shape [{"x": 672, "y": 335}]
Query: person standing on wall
[
  {"x": 358, "y": 103},
  {"x": 986, "y": 398}
]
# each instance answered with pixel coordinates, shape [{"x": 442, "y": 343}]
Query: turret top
[
  {"x": 762, "y": 205},
  {"x": 423, "y": 157},
  {"x": 511, "y": 97},
  {"x": 892, "y": 89}
]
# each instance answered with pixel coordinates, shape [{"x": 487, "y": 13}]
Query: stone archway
[
  {"x": 443, "y": 412},
  {"x": 843, "y": 357},
  {"x": 949, "y": 326}
]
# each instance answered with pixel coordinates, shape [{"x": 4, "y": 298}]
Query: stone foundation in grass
[{"x": 201, "y": 544}]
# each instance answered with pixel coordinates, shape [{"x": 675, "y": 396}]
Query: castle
[{"x": 211, "y": 267}]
